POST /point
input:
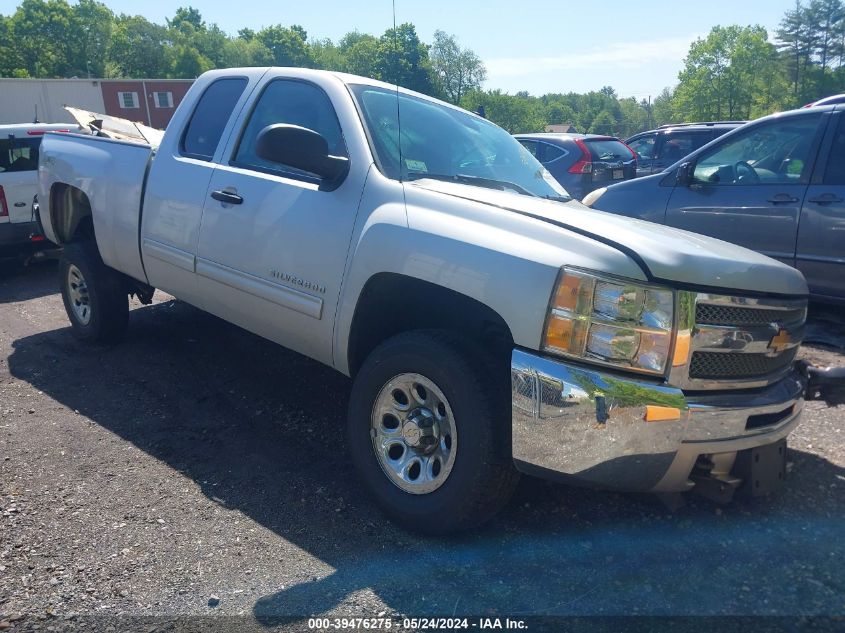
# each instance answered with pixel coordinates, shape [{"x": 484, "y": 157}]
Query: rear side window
[
  {"x": 213, "y": 110},
  {"x": 551, "y": 152},
  {"x": 679, "y": 144},
  {"x": 835, "y": 172},
  {"x": 19, "y": 154},
  {"x": 531, "y": 146}
]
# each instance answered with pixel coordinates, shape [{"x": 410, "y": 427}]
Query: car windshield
[
  {"x": 446, "y": 143},
  {"x": 608, "y": 149}
]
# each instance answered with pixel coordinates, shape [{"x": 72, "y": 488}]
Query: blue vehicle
[
  {"x": 657, "y": 149},
  {"x": 582, "y": 162},
  {"x": 776, "y": 185}
]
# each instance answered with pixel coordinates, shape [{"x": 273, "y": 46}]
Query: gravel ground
[{"x": 196, "y": 469}]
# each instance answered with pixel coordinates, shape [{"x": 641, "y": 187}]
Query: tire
[
  {"x": 476, "y": 476},
  {"x": 86, "y": 282}
]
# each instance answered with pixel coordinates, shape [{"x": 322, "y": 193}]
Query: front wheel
[
  {"x": 95, "y": 298},
  {"x": 428, "y": 434}
]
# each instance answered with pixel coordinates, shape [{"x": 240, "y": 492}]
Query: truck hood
[{"x": 665, "y": 254}]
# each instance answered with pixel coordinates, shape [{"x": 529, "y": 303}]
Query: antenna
[
  {"x": 36, "y": 114},
  {"x": 395, "y": 66}
]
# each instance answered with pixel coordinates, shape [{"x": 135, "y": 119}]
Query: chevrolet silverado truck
[{"x": 492, "y": 325}]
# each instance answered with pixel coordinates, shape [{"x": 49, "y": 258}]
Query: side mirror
[
  {"x": 300, "y": 148},
  {"x": 683, "y": 178}
]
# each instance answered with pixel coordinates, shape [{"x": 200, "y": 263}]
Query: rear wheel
[
  {"x": 428, "y": 435},
  {"x": 95, "y": 298}
]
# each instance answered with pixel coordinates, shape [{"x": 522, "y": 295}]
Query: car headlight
[
  {"x": 614, "y": 321},
  {"x": 591, "y": 197}
]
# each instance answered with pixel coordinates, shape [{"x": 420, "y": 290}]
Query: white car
[{"x": 19, "y": 145}]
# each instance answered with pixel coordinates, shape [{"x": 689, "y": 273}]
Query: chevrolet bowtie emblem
[{"x": 780, "y": 341}]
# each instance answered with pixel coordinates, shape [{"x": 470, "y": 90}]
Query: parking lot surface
[{"x": 198, "y": 469}]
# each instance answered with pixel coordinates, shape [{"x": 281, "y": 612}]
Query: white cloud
[{"x": 629, "y": 55}]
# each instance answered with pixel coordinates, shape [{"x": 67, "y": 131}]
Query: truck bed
[{"x": 108, "y": 175}]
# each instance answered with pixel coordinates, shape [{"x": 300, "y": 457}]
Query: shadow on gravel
[
  {"x": 260, "y": 429},
  {"x": 826, "y": 326},
  {"x": 22, "y": 283}
]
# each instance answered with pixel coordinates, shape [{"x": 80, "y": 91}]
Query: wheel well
[
  {"x": 391, "y": 303},
  {"x": 70, "y": 212}
]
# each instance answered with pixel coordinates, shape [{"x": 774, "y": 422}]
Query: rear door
[
  {"x": 748, "y": 188},
  {"x": 820, "y": 251},
  {"x": 178, "y": 183},
  {"x": 19, "y": 175}
]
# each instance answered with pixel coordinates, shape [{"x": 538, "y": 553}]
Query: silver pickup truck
[{"x": 491, "y": 324}]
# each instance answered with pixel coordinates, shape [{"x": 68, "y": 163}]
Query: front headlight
[
  {"x": 590, "y": 199},
  {"x": 615, "y": 321}
]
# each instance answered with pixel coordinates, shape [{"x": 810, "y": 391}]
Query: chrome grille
[
  {"x": 737, "y": 342},
  {"x": 709, "y": 365},
  {"x": 711, "y": 314}
]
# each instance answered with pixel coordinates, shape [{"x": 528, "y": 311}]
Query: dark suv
[
  {"x": 582, "y": 162},
  {"x": 657, "y": 149}
]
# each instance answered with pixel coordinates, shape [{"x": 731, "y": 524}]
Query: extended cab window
[
  {"x": 19, "y": 154},
  {"x": 773, "y": 152},
  {"x": 295, "y": 103},
  {"x": 210, "y": 116}
]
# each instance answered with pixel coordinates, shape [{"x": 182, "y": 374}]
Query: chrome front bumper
[{"x": 577, "y": 423}]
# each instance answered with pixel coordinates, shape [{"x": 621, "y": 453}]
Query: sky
[{"x": 635, "y": 46}]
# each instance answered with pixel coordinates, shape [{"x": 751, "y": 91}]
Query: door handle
[
  {"x": 825, "y": 198},
  {"x": 20, "y": 204},
  {"x": 226, "y": 196},
  {"x": 783, "y": 198}
]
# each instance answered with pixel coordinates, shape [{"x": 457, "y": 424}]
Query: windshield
[
  {"x": 608, "y": 149},
  {"x": 446, "y": 143}
]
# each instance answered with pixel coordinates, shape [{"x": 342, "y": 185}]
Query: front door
[
  {"x": 748, "y": 189},
  {"x": 820, "y": 252},
  {"x": 644, "y": 146},
  {"x": 273, "y": 241}
]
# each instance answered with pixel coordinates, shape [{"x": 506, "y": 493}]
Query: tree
[
  {"x": 515, "y": 113},
  {"x": 604, "y": 123},
  {"x": 91, "y": 32},
  {"x": 187, "y": 19},
  {"x": 826, "y": 17},
  {"x": 401, "y": 58},
  {"x": 139, "y": 48},
  {"x": 662, "y": 109},
  {"x": 11, "y": 64},
  {"x": 286, "y": 44},
  {"x": 724, "y": 72},
  {"x": 359, "y": 51},
  {"x": 41, "y": 33},
  {"x": 186, "y": 62},
  {"x": 239, "y": 52},
  {"x": 459, "y": 69}
]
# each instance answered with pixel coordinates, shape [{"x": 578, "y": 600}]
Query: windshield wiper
[{"x": 490, "y": 183}]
